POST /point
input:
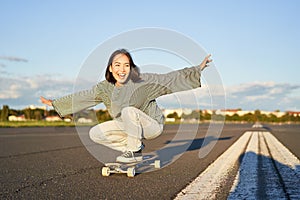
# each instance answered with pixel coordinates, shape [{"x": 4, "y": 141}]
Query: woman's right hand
[{"x": 46, "y": 101}]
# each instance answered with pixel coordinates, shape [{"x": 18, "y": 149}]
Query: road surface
[{"x": 52, "y": 163}]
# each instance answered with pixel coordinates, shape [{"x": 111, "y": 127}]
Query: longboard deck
[{"x": 131, "y": 168}]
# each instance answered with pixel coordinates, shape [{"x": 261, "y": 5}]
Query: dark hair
[{"x": 134, "y": 70}]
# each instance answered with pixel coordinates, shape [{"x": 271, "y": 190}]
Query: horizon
[{"x": 170, "y": 108}]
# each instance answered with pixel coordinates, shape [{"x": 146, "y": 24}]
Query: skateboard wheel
[
  {"x": 105, "y": 171},
  {"x": 157, "y": 164},
  {"x": 130, "y": 172}
]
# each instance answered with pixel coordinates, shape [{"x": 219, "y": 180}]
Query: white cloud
[
  {"x": 270, "y": 89},
  {"x": 10, "y": 93},
  {"x": 247, "y": 96},
  {"x": 24, "y": 91},
  {"x": 17, "y": 91},
  {"x": 206, "y": 97},
  {"x": 13, "y": 58},
  {"x": 263, "y": 95}
]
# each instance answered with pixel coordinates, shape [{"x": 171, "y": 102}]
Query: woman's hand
[
  {"x": 205, "y": 62},
  {"x": 46, "y": 101}
]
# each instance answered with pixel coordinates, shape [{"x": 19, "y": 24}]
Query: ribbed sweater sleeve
[
  {"x": 175, "y": 81},
  {"x": 78, "y": 101}
]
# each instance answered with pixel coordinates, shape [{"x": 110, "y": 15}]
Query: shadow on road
[
  {"x": 175, "y": 148},
  {"x": 262, "y": 177}
]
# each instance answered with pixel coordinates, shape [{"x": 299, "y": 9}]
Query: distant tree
[
  {"x": 264, "y": 118},
  {"x": 4, "y": 113},
  {"x": 234, "y": 117},
  {"x": 297, "y": 119},
  {"x": 258, "y": 116},
  {"x": 294, "y": 118},
  {"x": 14, "y": 112},
  {"x": 272, "y": 118},
  {"x": 28, "y": 113},
  {"x": 38, "y": 115},
  {"x": 218, "y": 117},
  {"x": 205, "y": 116},
  {"x": 249, "y": 117},
  {"x": 52, "y": 113},
  {"x": 173, "y": 115},
  {"x": 103, "y": 115},
  {"x": 35, "y": 114},
  {"x": 195, "y": 114},
  {"x": 284, "y": 118}
]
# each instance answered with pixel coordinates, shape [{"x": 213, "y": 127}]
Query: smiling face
[{"x": 120, "y": 69}]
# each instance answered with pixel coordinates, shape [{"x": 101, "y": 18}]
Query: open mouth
[{"x": 122, "y": 76}]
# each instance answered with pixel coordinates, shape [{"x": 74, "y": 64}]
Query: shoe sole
[{"x": 136, "y": 159}]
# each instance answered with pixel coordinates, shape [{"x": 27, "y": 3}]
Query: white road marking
[
  {"x": 244, "y": 186},
  {"x": 208, "y": 182},
  {"x": 272, "y": 186},
  {"x": 268, "y": 170},
  {"x": 288, "y": 166}
]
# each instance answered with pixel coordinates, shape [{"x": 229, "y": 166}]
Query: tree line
[
  {"x": 257, "y": 116},
  {"x": 103, "y": 115},
  {"x": 40, "y": 114}
]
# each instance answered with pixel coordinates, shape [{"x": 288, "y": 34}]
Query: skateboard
[{"x": 129, "y": 168}]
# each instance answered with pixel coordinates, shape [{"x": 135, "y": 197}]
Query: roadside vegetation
[
  {"x": 257, "y": 116},
  {"x": 35, "y": 123},
  {"x": 40, "y": 117}
]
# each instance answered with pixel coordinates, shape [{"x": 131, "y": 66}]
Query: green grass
[{"x": 35, "y": 124}]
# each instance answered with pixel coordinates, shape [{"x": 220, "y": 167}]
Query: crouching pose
[{"x": 129, "y": 97}]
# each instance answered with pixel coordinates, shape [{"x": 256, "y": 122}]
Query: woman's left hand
[{"x": 205, "y": 62}]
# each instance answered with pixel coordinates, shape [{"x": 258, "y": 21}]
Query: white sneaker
[{"x": 130, "y": 157}]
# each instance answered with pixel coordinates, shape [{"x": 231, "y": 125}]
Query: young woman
[{"x": 130, "y": 99}]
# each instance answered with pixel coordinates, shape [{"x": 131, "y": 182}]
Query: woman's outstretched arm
[
  {"x": 175, "y": 81},
  {"x": 75, "y": 102}
]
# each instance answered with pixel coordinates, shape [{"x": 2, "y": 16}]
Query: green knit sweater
[{"x": 140, "y": 94}]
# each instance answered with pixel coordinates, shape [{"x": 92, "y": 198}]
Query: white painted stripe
[
  {"x": 287, "y": 164},
  {"x": 269, "y": 179},
  {"x": 209, "y": 181},
  {"x": 245, "y": 183},
  {"x": 268, "y": 171}
]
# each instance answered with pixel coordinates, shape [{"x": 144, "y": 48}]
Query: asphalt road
[
  {"x": 289, "y": 135},
  {"x": 52, "y": 163}
]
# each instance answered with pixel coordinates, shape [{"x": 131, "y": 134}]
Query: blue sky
[{"x": 255, "y": 44}]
